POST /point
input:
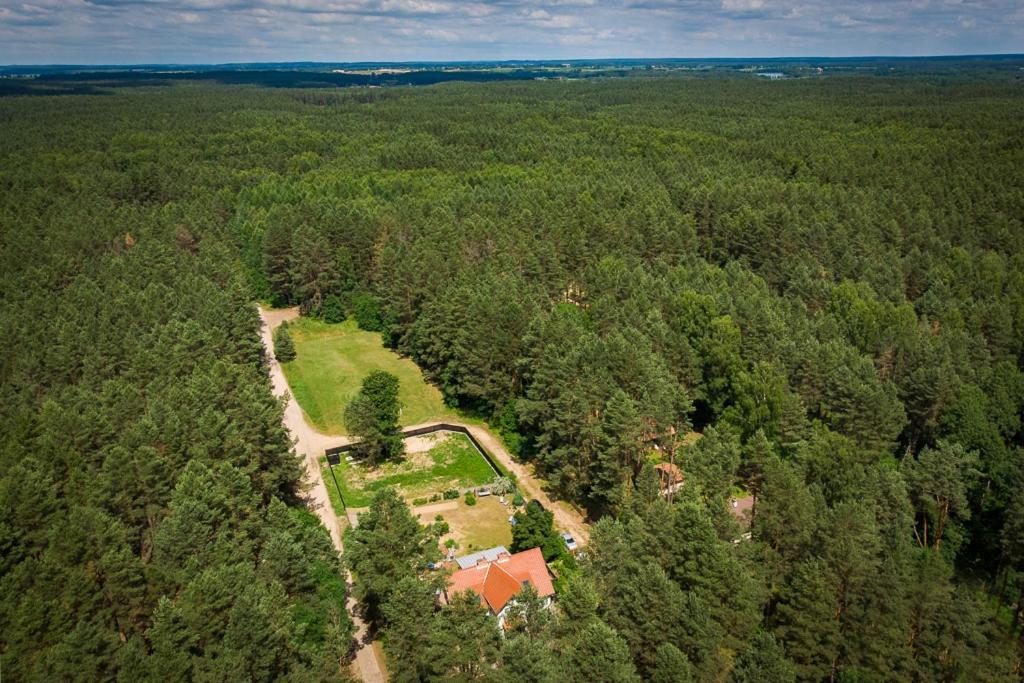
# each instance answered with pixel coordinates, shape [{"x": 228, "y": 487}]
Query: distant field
[
  {"x": 332, "y": 361},
  {"x": 451, "y": 463}
]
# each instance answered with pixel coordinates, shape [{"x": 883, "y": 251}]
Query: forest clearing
[
  {"x": 473, "y": 527},
  {"x": 332, "y": 359}
]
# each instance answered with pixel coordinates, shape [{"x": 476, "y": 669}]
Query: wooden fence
[{"x": 334, "y": 454}]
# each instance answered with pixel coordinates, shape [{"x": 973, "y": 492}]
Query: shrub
[
  {"x": 436, "y": 497},
  {"x": 333, "y": 310},
  {"x": 451, "y": 494},
  {"x": 518, "y": 500},
  {"x": 419, "y": 501},
  {"x": 470, "y": 498},
  {"x": 502, "y": 485},
  {"x": 366, "y": 311}
]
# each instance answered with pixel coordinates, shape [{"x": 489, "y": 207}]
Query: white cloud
[
  {"x": 742, "y": 5},
  {"x": 237, "y": 30}
]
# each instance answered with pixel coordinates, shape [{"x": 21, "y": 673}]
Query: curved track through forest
[{"x": 311, "y": 444}]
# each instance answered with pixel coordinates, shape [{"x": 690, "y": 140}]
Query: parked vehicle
[{"x": 570, "y": 542}]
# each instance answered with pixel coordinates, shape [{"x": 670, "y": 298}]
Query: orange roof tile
[
  {"x": 499, "y": 587},
  {"x": 499, "y": 581},
  {"x": 669, "y": 471}
]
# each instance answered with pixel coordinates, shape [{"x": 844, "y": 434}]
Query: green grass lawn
[
  {"x": 477, "y": 527},
  {"x": 329, "y": 368},
  {"x": 451, "y": 464}
]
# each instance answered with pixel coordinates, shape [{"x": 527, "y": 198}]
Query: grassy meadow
[
  {"x": 331, "y": 362},
  {"x": 477, "y": 527}
]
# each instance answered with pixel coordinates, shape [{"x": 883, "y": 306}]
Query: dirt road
[
  {"x": 310, "y": 444},
  {"x": 567, "y": 518}
]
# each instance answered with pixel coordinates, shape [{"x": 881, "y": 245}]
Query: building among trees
[
  {"x": 670, "y": 477},
  {"x": 497, "y": 577}
]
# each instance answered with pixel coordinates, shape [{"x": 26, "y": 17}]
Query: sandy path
[
  {"x": 567, "y": 518},
  {"x": 310, "y": 444}
]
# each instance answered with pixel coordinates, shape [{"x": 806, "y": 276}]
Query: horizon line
[{"x": 519, "y": 60}]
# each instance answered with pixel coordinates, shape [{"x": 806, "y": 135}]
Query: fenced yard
[{"x": 433, "y": 464}]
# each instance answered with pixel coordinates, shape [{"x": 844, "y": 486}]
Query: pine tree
[
  {"x": 464, "y": 640},
  {"x": 763, "y": 660},
  {"x": 598, "y": 654},
  {"x": 284, "y": 347},
  {"x": 387, "y": 546},
  {"x": 409, "y": 607},
  {"x": 373, "y": 417},
  {"x": 939, "y": 480},
  {"x": 806, "y": 620},
  {"x": 277, "y": 256},
  {"x": 670, "y": 666},
  {"x": 526, "y": 660}
]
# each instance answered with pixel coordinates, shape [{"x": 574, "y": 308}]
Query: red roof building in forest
[
  {"x": 670, "y": 477},
  {"x": 497, "y": 581}
]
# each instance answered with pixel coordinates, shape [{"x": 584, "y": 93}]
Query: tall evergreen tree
[
  {"x": 598, "y": 654},
  {"x": 387, "y": 545},
  {"x": 284, "y": 346},
  {"x": 373, "y": 416}
]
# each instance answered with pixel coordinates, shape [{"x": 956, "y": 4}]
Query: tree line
[{"x": 151, "y": 510}]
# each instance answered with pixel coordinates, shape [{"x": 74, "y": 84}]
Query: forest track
[
  {"x": 310, "y": 444},
  {"x": 567, "y": 517}
]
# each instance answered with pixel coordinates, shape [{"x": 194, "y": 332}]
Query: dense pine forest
[{"x": 824, "y": 277}]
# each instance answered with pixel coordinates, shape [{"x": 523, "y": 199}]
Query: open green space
[
  {"x": 477, "y": 527},
  {"x": 331, "y": 362},
  {"x": 451, "y": 463}
]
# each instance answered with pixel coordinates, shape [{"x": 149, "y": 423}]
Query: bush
[
  {"x": 502, "y": 485},
  {"x": 451, "y": 494},
  {"x": 366, "y": 311},
  {"x": 419, "y": 501},
  {"x": 470, "y": 498},
  {"x": 518, "y": 500},
  {"x": 333, "y": 310},
  {"x": 436, "y": 497}
]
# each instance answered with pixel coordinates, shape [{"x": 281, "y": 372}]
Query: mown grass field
[
  {"x": 477, "y": 527},
  {"x": 451, "y": 463},
  {"x": 330, "y": 365}
]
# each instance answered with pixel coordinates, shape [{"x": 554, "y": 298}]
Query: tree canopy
[{"x": 824, "y": 276}]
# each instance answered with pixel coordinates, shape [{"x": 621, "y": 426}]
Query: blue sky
[{"x": 205, "y": 31}]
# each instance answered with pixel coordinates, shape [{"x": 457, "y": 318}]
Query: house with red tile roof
[
  {"x": 497, "y": 578},
  {"x": 670, "y": 477},
  {"x": 742, "y": 509}
]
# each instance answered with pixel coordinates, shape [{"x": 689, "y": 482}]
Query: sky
[{"x": 219, "y": 31}]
